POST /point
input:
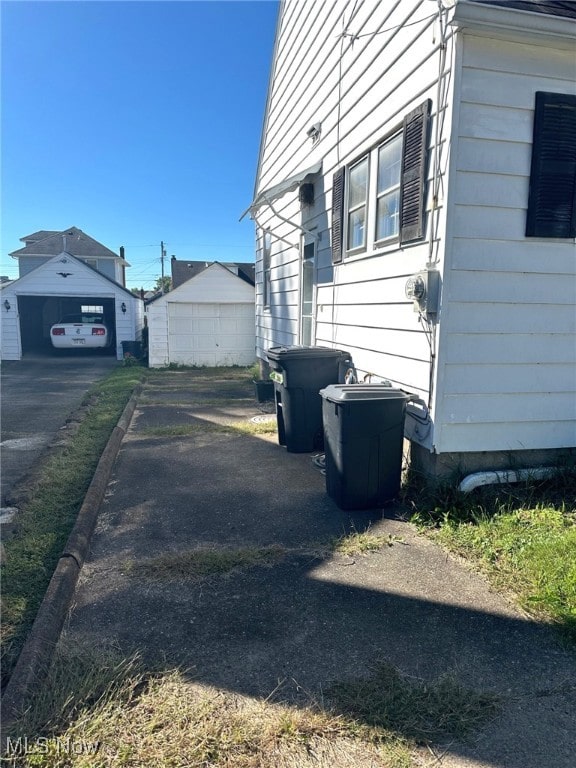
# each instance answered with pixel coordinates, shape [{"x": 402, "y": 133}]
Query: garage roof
[{"x": 183, "y": 270}]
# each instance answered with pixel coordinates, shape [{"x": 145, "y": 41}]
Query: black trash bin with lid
[
  {"x": 299, "y": 373},
  {"x": 363, "y": 441},
  {"x": 132, "y": 349}
]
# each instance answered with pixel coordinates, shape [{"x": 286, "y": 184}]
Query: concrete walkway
[{"x": 313, "y": 617}]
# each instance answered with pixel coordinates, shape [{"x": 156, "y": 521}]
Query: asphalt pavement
[
  {"x": 185, "y": 479},
  {"x": 39, "y": 396}
]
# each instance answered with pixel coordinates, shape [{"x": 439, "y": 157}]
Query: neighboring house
[
  {"x": 207, "y": 319},
  {"x": 41, "y": 246},
  {"x": 421, "y": 155},
  {"x": 52, "y": 286}
]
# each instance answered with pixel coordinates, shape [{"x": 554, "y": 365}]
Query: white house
[
  {"x": 206, "y": 320},
  {"x": 415, "y": 206}
]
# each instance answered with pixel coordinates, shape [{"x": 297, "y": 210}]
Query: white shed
[
  {"x": 60, "y": 286},
  {"x": 208, "y": 320}
]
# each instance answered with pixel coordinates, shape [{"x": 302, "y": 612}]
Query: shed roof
[{"x": 183, "y": 270}]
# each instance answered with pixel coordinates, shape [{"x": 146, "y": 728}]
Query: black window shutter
[
  {"x": 413, "y": 173},
  {"x": 552, "y": 195},
  {"x": 337, "y": 215}
]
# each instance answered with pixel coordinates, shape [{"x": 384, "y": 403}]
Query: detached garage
[
  {"x": 61, "y": 286},
  {"x": 208, "y": 320}
]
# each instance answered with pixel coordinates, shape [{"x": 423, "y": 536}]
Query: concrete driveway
[{"x": 38, "y": 395}]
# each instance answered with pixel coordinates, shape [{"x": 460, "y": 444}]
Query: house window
[
  {"x": 552, "y": 193},
  {"x": 357, "y": 205},
  {"x": 380, "y": 198},
  {"x": 388, "y": 189},
  {"x": 266, "y": 259}
]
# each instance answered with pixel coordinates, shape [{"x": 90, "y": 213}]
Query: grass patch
[
  {"x": 269, "y": 427},
  {"x": 361, "y": 543},
  {"x": 420, "y": 710},
  {"x": 183, "y": 430},
  {"x": 531, "y": 552},
  {"x": 123, "y": 715},
  {"x": 202, "y": 562},
  {"x": 45, "y": 521},
  {"x": 522, "y": 536}
]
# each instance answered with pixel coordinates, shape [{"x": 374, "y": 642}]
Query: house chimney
[{"x": 121, "y": 251}]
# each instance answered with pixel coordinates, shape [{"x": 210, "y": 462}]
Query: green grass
[
  {"x": 115, "y": 712},
  {"x": 45, "y": 521},
  {"x": 523, "y": 537}
]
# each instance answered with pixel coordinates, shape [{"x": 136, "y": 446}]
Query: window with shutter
[
  {"x": 552, "y": 193},
  {"x": 379, "y": 199}
]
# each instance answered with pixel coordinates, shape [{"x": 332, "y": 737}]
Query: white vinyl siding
[
  {"x": 505, "y": 333},
  {"x": 360, "y": 93},
  {"x": 508, "y": 352}
]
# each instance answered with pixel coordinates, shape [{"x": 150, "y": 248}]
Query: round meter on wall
[{"x": 415, "y": 288}]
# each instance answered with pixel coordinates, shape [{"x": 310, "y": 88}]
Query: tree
[{"x": 163, "y": 281}]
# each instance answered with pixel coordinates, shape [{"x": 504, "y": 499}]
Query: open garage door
[
  {"x": 211, "y": 334},
  {"x": 38, "y": 313}
]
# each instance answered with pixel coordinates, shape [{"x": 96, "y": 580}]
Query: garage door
[{"x": 211, "y": 334}]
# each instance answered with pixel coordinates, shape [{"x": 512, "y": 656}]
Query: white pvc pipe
[{"x": 477, "y": 479}]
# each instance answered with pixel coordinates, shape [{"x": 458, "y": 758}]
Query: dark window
[{"x": 552, "y": 195}]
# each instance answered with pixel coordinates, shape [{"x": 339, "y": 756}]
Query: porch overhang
[{"x": 268, "y": 196}]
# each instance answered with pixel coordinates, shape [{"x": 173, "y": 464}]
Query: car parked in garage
[{"x": 86, "y": 330}]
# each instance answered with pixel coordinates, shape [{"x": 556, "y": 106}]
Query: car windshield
[{"x": 82, "y": 318}]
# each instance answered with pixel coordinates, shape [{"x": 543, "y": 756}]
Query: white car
[{"x": 86, "y": 330}]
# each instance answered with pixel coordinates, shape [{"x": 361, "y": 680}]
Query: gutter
[{"x": 500, "y": 21}]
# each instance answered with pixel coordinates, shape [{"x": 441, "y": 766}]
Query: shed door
[{"x": 211, "y": 334}]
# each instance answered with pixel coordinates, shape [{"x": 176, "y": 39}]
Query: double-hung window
[
  {"x": 357, "y": 205},
  {"x": 388, "y": 189},
  {"x": 379, "y": 199}
]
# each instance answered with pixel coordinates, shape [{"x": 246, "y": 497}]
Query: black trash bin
[
  {"x": 363, "y": 441},
  {"x": 299, "y": 373},
  {"x": 132, "y": 349}
]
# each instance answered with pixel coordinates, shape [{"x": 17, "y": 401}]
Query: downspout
[{"x": 502, "y": 476}]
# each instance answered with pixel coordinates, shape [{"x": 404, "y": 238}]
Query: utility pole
[{"x": 162, "y": 257}]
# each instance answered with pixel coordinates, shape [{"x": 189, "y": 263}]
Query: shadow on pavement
[{"x": 314, "y": 617}]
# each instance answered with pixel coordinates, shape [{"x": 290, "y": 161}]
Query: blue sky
[{"x": 137, "y": 122}]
